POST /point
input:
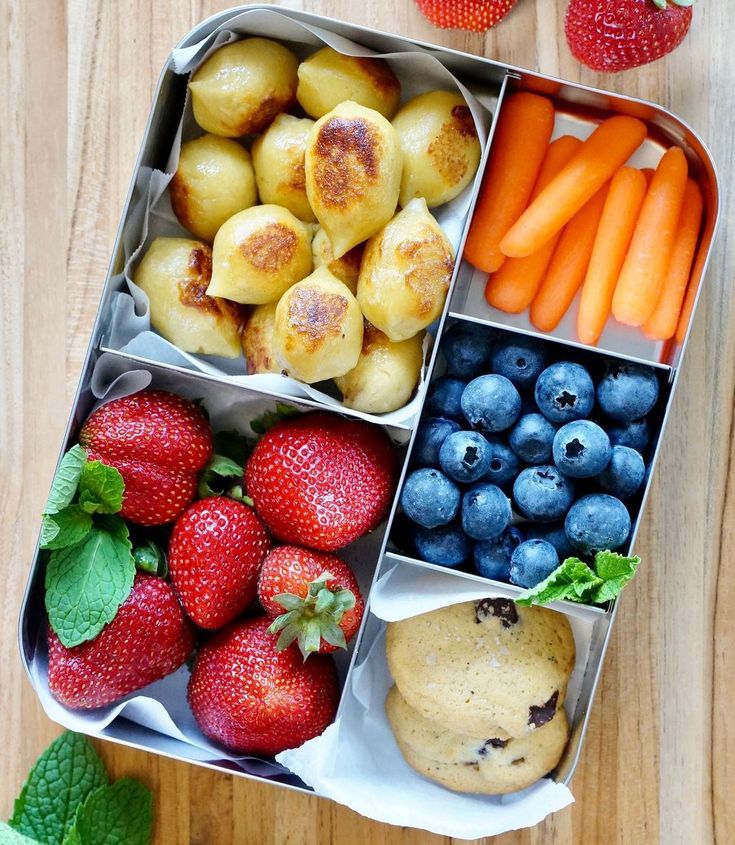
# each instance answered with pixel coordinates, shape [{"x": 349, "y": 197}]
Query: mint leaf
[
  {"x": 65, "y": 528},
  {"x": 615, "y": 570},
  {"x": 121, "y": 814},
  {"x": 8, "y": 836},
  {"x": 212, "y": 480},
  {"x": 573, "y": 579},
  {"x": 65, "y": 482},
  {"x": 86, "y": 584},
  {"x": 270, "y": 418},
  {"x": 112, "y": 524},
  {"x": 62, "y": 777},
  {"x": 101, "y": 488}
]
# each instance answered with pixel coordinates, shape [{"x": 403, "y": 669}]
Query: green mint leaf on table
[
  {"x": 217, "y": 474},
  {"x": 86, "y": 584},
  {"x": 8, "y": 836},
  {"x": 571, "y": 580},
  {"x": 101, "y": 488},
  {"x": 66, "y": 480},
  {"x": 270, "y": 418},
  {"x": 65, "y": 528},
  {"x": 121, "y": 814},
  {"x": 63, "y": 776}
]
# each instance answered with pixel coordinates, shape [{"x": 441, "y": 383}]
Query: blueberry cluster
[{"x": 520, "y": 462}]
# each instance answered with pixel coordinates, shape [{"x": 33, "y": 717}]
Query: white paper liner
[
  {"x": 151, "y": 215},
  {"x": 357, "y": 762}
]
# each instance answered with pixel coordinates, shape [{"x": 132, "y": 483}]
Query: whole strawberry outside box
[{"x": 350, "y": 754}]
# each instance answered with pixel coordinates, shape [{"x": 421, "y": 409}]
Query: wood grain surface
[{"x": 658, "y": 765}]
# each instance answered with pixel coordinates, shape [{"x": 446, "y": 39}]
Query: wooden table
[{"x": 77, "y": 80}]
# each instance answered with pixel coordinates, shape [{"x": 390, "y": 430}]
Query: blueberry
[
  {"x": 429, "y": 498},
  {"x": 519, "y": 359},
  {"x": 485, "y": 511},
  {"x": 627, "y": 391},
  {"x": 597, "y": 522},
  {"x": 634, "y": 434},
  {"x": 564, "y": 392},
  {"x": 581, "y": 449},
  {"x": 491, "y": 403},
  {"x": 504, "y": 463},
  {"x": 531, "y": 438},
  {"x": 429, "y": 438},
  {"x": 553, "y": 534},
  {"x": 446, "y": 546},
  {"x": 543, "y": 493},
  {"x": 467, "y": 349},
  {"x": 465, "y": 456},
  {"x": 624, "y": 474},
  {"x": 444, "y": 398},
  {"x": 492, "y": 557},
  {"x": 531, "y": 562}
]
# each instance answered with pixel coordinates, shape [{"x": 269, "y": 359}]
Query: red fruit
[
  {"x": 614, "y": 35},
  {"x": 475, "y": 15},
  {"x": 321, "y": 614},
  {"x": 158, "y": 442},
  {"x": 321, "y": 480},
  {"x": 256, "y": 700},
  {"x": 148, "y": 639},
  {"x": 214, "y": 555}
]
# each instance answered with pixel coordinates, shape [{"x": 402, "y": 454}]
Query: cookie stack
[{"x": 478, "y": 695}]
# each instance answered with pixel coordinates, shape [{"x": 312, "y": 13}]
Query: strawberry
[
  {"x": 158, "y": 442},
  {"x": 148, "y": 639},
  {"x": 615, "y": 35},
  {"x": 320, "y": 595},
  {"x": 214, "y": 555},
  {"x": 254, "y": 699},
  {"x": 320, "y": 480},
  {"x": 474, "y": 15}
]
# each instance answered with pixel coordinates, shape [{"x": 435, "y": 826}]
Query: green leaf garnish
[
  {"x": 101, "y": 488},
  {"x": 121, "y": 814},
  {"x": 217, "y": 475},
  {"x": 65, "y": 482},
  {"x": 65, "y": 528}
]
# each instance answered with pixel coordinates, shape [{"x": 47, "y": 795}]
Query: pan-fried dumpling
[
  {"x": 441, "y": 151},
  {"x": 214, "y": 180},
  {"x": 257, "y": 339},
  {"x": 353, "y": 174},
  {"x": 386, "y": 374},
  {"x": 346, "y": 268},
  {"x": 318, "y": 331},
  {"x": 328, "y": 78},
  {"x": 242, "y": 86},
  {"x": 174, "y": 273},
  {"x": 405, "y": 273},
  {"x": 258, "y": 254}
]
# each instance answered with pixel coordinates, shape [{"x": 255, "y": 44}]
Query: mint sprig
[
  {"x": 576, "y": 581},
  {"x": 112, "y": 815}
]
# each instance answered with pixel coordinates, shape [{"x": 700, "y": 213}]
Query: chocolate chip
[
  {"x": 492, "y": 743},
  {"x": 503, "y": 609},
  {"x": 518, "y": 761},
  {"x": 544, "y": 713},
  {"x": 472, "y": 763}
]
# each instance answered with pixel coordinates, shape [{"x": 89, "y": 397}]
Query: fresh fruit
[
  {"x": 444, "y": 397},
  {"x": 564, "y": 392},
  {"x": 492, "y": 557},
  {"x": 553, "y": 534},
  {"x": 148, "y": 639},
  {"x": 429, "y": 498},
  {"x": 542, "y": 493},
  {"x": 485, "y": 511},
  {"x": 320, "y": 480},
  {"x": 158, "y": 442},
  {"x": 491, "y": 403},
  {"x": 254, "y": 699},
  {"x": 627, "y": 391},
  {"x": 531, "y": 438},
  {"x": 446, "y": 545},
  {"x": 465, "y": 456},
  {"x": 531, "y": 562},
  {"x": 635, "y": 434},
  {"x": 474, "y": 15},
  {"x": 467, "y": 349},
  {"x": 217, "y": 546},
  {"x": 504, "y": 463},
  {"x": 313, "y": 598},
  {"x": 581, "y": 449},
  {"x": 614, "y": 35},
  {"x": 519, "y": 359},
  {"x": 597, "y": 522},
  {"x": 624, "y": 474},
  {"x": 431, "y": 434}
]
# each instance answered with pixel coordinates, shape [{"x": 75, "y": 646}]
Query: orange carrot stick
[
  {"x": 642, "y": 276},
  {"x": 692, "y": 288},
  {"x": 648, "y": 173},
  {"x": 568, "y": 264},
  {"x": 627, "y": 190},
  {"x": 661, "y": 325},
  {"x": 521, "y": 137},
  {"x": 513, "y": 287},
  {"x": 606, "y": 150}
]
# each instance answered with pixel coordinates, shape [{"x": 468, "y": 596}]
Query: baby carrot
[
  {"x": 692, "y": 288},
  {"x": 642, "y": 275},
  {"x": 606, "y": 150},
  {"x": 513, "y": 287},
  {"x": 521, "y": 137},
  {"x": 568, "y": 264},
  {"x": 648, "y": 173},
  {"x": 661, "y": 325},
  {"x": 627, "y": 190}
]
